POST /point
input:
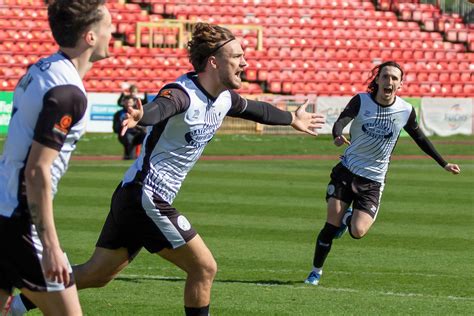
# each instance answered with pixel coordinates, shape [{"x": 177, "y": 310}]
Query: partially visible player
[
  {"x": 377, "y": 120},
  {"x": 48, "y": 119}
]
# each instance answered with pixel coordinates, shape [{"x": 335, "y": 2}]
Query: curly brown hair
[
  {"x": 69, "y": 19},
  {"x": 206, "y": 41},
  {"x": 373, "y": 87}
]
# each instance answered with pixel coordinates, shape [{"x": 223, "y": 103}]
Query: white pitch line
[{"x": 312, "y": 288}]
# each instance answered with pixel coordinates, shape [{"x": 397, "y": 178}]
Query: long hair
[
  {"x": 373, "y": 87},
  {"x": 69, "y": 19},
  {"x": 206, "y": 41}
]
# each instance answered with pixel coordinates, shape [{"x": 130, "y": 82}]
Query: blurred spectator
[
  {"x": 134, "y": 136},
  {"x": 131, "y": 90}
]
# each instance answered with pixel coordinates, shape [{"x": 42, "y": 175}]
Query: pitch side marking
[{"x": 308, "y": 287}]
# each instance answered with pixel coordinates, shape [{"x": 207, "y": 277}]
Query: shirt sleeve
[
  {"x": 414, "y": 130},
  {"x": 63, "y": 106},
  {"x": 350, "y": 111},
  {"x": 260, "y": 112},
  {"x": 239, "y": 104},
  {"x": 170, "y": 101}
]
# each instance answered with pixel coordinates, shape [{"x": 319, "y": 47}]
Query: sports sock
[
  {"x": 323, "y": 244},
  {"x": 197, "y": 311}
]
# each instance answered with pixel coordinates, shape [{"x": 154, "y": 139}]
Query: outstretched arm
[
  {"x": 414, "y": 130},
  {"x": 170, "y": 101},
  {"x": 265, "y": 113}
]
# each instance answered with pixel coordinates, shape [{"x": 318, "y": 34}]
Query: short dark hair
[
  {"x": 69, "y": 19},
  {"x": 206, "y": 41},
  {"x": 373, "y": 87}
]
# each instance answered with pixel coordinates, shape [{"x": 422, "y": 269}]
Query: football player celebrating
[
  {"x": 358, "y": 179},
  {"x": 182, "y": 120}
]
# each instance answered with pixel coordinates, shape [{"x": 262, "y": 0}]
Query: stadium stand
[{"x": 322, "y": 47}]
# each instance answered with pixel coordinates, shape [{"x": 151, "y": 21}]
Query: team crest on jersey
[
  {"x": 165, "y": 93},
  {"x": 63, "y": 125}
]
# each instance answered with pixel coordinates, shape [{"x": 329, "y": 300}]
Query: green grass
[
  {"x": 260, "y": 220},
  {"x": 106, "y": 144}
]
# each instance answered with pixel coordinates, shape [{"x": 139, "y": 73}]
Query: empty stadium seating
[{"x": 324, "y": 47}]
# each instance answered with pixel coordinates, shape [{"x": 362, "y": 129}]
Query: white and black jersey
[
  {"x": 184, "y": 118},
  {"x": 374, "y": 133},
  {"x": 48, "y": 107}
]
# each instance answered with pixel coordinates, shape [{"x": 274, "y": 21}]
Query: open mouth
[{"x": 388, "y": 90}]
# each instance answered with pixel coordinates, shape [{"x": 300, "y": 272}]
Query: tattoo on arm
[{"x": 37, "y": 219}]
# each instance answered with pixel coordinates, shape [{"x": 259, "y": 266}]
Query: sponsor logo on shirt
[
  {"x": 200, "y": 137},
  {"x": 377, "y": 131}
]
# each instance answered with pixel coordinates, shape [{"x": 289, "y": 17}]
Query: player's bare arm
[{"x": 40, "y": 203}]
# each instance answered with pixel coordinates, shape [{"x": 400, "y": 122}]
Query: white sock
[
  {"x": 17, "y": 306},
  {"x": 318, "y": 270}
]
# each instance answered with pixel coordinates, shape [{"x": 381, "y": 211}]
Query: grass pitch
[{"x": 260, "y": 220}]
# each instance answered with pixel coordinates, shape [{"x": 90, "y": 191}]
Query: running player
[
  {"x": 377, "y": 120},
  {"x": 183, "y": 118},
  {"x": 47, "y": 120}
]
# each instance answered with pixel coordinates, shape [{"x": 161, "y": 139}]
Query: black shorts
[
  {"x": 20, "y": 257},
  {"x": 139, "y": 219},
  {"x": 363, "y": 193}
]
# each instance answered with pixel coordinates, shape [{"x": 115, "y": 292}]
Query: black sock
[
  {"x": 28, "y": 304},
  {"x": 197, "y": 311},
  {"x": 323, "y": 244}
]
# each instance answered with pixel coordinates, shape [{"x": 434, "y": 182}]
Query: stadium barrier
[
  {"x": 176, "y": 33},
  {"x": 440, "y": 116}
]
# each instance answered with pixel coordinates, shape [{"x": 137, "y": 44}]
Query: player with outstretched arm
[
  {"x": 358, "y": 179},
  {"x": 181, "y": 121}
]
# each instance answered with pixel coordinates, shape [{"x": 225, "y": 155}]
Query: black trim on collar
[
  {"x": 382, "y": 105},
  {"x": 194, "y": 77}
]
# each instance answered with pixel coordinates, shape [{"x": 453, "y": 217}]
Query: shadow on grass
[{"x": 140, "y": 278}]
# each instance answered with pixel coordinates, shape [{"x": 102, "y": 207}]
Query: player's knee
[
  {"x": 206, "y": 270},
  {"x": 210, "y": 269},
  {"x": 357, "y": 232}
]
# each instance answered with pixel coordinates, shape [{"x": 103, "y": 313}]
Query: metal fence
[{"x": 462, "y": 7}]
